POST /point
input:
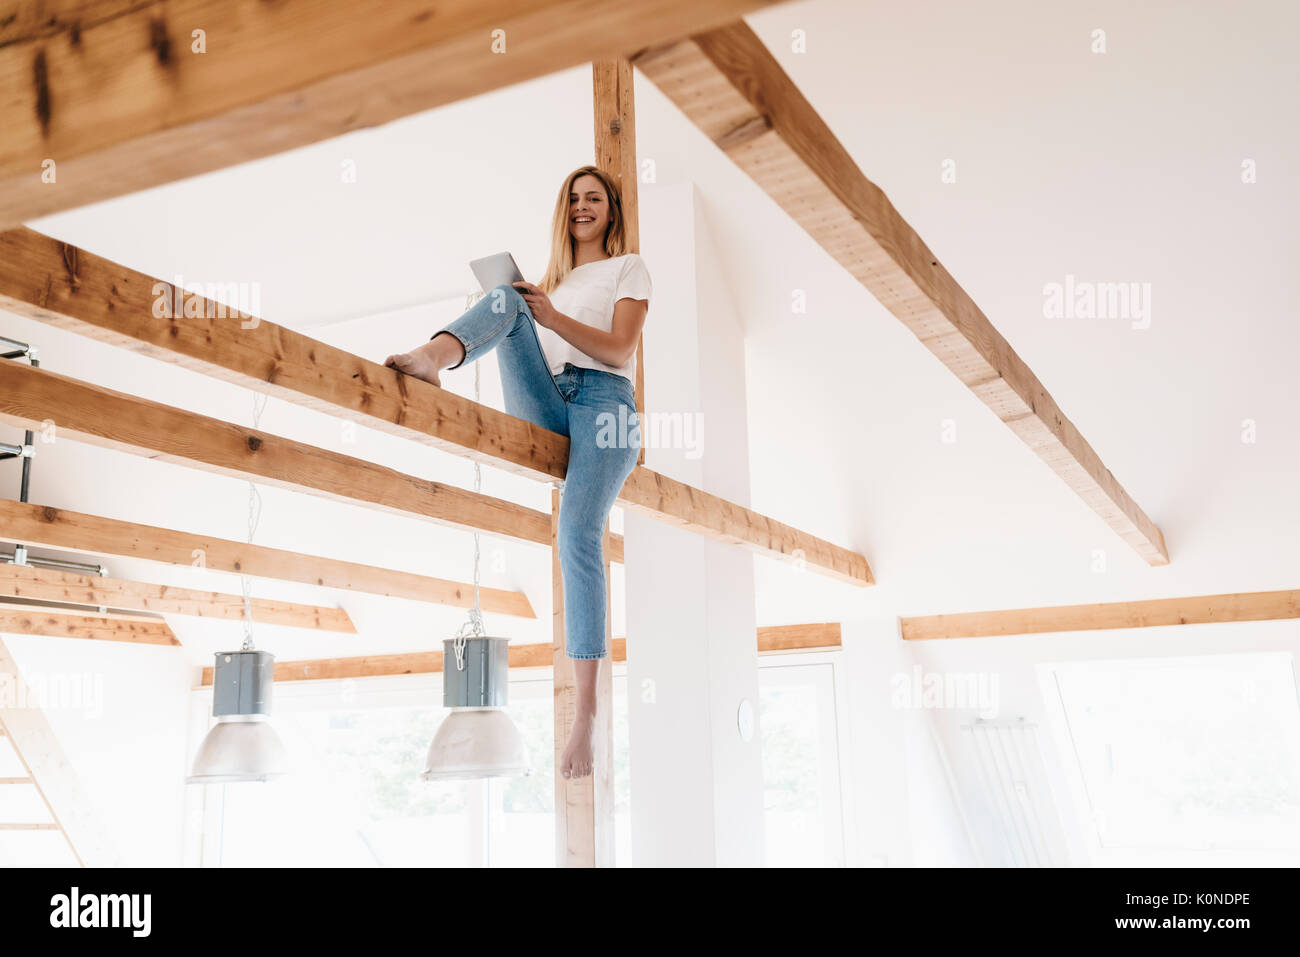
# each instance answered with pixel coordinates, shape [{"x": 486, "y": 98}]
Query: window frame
[{"x": 1082, "y": 832}]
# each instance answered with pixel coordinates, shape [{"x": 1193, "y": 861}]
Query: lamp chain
[
  {"x": 473, "y": 627},
  {"x": 254, "y": 517}
]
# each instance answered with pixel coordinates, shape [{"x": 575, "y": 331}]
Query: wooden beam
[
  {"x": 362, "y": 666},
  {"x": 31, "y": 826},
  {"x": 45, "y": 762},
  {"x": 602, "y": 740},
  {"x": 85, "y": 610},
  {"x": 614, "y": 121},
  {"x": 382, "y": 666},
  {"x": 89, "y": 413},
  {"x": 48, "y": 527},
  {"x": 785, "y": 639},
  {"x": 115, "y": 92},
  {"x": 676, "y": 503},
  {"x": 1153, "y": 613},
  {"x": 42, "y": 584},
  {"x": 614, "y": 110},
  {"x": 780, "y": 639},
  {"x": 31, "y": 620},
  {"x": 575, "y": 798},
  {"x": 66, "y": 287},
  {"x": 733, "y": 89}
]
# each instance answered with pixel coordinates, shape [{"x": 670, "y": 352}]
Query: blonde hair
[{"x": 562, "y": 243}]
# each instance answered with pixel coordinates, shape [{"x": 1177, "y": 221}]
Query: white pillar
[{"x": 691, "y": 650}]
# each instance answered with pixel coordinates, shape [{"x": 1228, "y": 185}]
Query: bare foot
[
  {"x": 415, "y": 363},
  {"x": 427, "y": 360},
  {"x": 576, "y": 762}
]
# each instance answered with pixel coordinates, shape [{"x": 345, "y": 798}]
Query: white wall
[
  {"x": 1119, "y": 167},
  {"x": 125, "y": 736},
  {"x": 696, "y": 782}
]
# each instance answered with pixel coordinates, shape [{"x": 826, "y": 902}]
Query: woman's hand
[{"x": 539, "y": 304}]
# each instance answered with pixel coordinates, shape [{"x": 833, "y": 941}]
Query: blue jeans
[{"x": 597, "y": 411}]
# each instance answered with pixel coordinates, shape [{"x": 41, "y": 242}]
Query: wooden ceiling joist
[
  {"x": 728, "y": 83},
  {"x": 69, "y": 288},
  {"x": 788, "y": 639},
  {"x": 43, "y": 584},
  {"x": 48, "y": 527},
  {"x": 120, "y": 96},
  {"x": 98, "y": 416},
  {"x": 92, "y": 414},
  {"x": 49, "y": 623},
  {"x": 780, "y": 639},
  {"x": 1153, "y": 613}
]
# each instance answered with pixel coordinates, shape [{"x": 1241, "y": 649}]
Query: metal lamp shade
[
  {"x": 240, "y": 748},
  {"x": 242, "y": 745},
  {"x": 476, "y": 743},
  {"x": 478, "y": 739}
]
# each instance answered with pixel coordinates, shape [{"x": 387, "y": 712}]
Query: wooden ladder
[
  {"x": 53, "y": 823},
  {"x": 47, "y": 768}
]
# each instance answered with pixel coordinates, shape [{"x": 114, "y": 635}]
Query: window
[
  {"x": 356, "y": 798},
  {"x": 801, "y": 786},
  {"x": 1180, "y": 758}
]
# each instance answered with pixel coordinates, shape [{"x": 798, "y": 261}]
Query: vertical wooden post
[
  {"x": 603, "y": 739},
  {"x": 615, "y": 125},
  {"x": 584, "y": 808}
]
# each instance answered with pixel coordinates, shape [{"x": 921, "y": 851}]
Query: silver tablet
[{"x": 496, "y": 270}]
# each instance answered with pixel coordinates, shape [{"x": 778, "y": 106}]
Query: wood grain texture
[
  {"x": 47, "y": 623},
  {"x": 116, "y": 95},
  {"x": 602, "y": 744},
  {"x": 575, "y": 798},
  {"x": 45, "y": 526},
  {"x": 779, "y": 639},
  {"x": 1152, "y": 613},
  {"x": 382, "y": 666},
  {"x": 360, "y": 666},
  {"x": 786, "y": 639},
  {"x": 665, "y": 499},
  {"x": 44, "y": 584},
  {"x": 614, "y": 112},
  {"x": 728, "y": 83},
  {"x": 30, "y": 826},
  {"x": 98, "y": 416},
  {"x": 66, "y": 287}
]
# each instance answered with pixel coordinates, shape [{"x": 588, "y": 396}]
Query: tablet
[{"x": 496, "y": 270}]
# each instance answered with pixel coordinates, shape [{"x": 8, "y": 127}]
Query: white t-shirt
[{"x": 588, "y": 295}]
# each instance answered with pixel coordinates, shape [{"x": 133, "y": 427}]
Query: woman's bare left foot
[
  {"x": 418, "y": 363},
  {"x": 576, "y": 762}
]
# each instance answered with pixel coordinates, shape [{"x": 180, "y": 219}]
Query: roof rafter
[
  {"x": 31, "y": 396},
  {"x": 1148, "y": 613},
  {"x": 59, "y": 284},
  {"x": 730, "y": 86},
  {"x": 772, "y": 640},
  {"x": 61, "y": 528},
  {"x": 45, "y": 584},
  {"x": 116, "y": 94},
  {"x": 47, "y": 622}
]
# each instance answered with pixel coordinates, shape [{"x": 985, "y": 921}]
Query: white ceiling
[{"x": 1116, "y": 167}]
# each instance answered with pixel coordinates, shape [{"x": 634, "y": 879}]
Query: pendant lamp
[
  {"x": 242, "y": 745},
  {"x": 478, "y": 739}
]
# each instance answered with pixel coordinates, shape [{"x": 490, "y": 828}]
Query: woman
[{"x": 567, "y": 352}]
